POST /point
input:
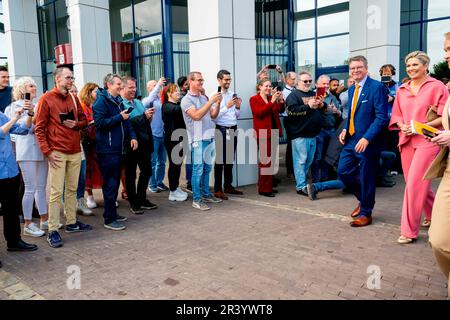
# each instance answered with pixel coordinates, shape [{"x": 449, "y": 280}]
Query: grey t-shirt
[{"x": 197, "y": 130}]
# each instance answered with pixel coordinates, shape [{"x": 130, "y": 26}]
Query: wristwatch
[{"x": 31, "y": 114}]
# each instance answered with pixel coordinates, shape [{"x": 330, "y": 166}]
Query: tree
[{"x": 441, "y": 70}]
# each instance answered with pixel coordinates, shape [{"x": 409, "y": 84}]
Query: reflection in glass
[
  {"x": 149, "y": 68},
  {"x": 147, "y": 15},
  {"x": 410, "y": 11},
  {"x": 121, "y": 20},
  {"x": 303, "y": 5},
  {"x": 333, "y": 23},
  {"x": 436, "y": 9},
  {"x": 181, "y": 65},
  {"x": 333, "y": 51},
  {"x": 433, "y": 40},
  {"x": 324, "y": 3},
  {"x": 304, "y": 29},
  {"x": 409, "y": 41},
  {"x": 180, "y": 17},
  {"x": 150, "y": 45},
  {"x": 181, "y": 42},
  {"x": 305, "y": 56}
]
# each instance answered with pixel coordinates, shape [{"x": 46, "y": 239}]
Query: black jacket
[{"x": 141, "y": 125}]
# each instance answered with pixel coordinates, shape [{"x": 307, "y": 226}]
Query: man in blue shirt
[{"x": 5, "y": 89}]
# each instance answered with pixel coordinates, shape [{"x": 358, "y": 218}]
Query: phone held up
[
  {"x": 272, "y": 66},
  {"x": 27, "y": 96},
  {"x": 320, "y": 92},
  {"x": 129, "y": 110}
]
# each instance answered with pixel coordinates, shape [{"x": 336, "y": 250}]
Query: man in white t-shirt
[{"x": 198, "y": 113}]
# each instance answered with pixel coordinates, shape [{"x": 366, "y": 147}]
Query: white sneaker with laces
[
  {"x": 44, "y": 225},
  {"x": 32, "y": 230},
  {"x": 179, "y": 191},
  {"x": 91, "y": 202},
  {"x": 82, "y": 207},
  {"x": 175, "y": 196}
]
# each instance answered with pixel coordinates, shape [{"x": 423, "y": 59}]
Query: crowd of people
[{"x": 337, "y": 138}]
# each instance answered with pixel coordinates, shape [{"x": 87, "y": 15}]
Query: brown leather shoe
[
  {"x": 361, "y": 221},
  {"x": 356, "y": 212},
  {"x": 233, "y": 191},
  {"x": 220, "y": 195}
]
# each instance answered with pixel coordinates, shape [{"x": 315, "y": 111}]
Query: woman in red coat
[{"x": 266, "y": 107}]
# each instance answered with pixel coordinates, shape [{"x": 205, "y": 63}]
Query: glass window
[
  {"x": 410, "y": 10},
  {"x": 333, "y": 51},
  {"x": 47, "y": 32},
  {"x": 121, "y": 20},
  {"x": 180, "y": 17},
  {"x": 180, "y": 42},
  {"x": 181, "y": 65},
  {"x": 148, "y": 46},
  {"x": 325, "y": 3},
  {"x": 147, "y": 15},
  {"x": 304, "y": 29},
  {"x": 149, "y": 68},
  {"x": 433, "y": 40},
  {"x": 305, "y": 56},
  {"x": 303, "y": 5},
  {"x": 333, "y": 23},
  {"x": 436, "y": 9}
]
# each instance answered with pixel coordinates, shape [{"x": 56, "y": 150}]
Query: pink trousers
[{"x": 418, "y": 194}]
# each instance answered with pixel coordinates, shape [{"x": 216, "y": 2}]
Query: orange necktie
[{"x": 351, "y": 129}]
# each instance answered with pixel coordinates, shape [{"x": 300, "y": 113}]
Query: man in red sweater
[{"x": 59, "y": 119}]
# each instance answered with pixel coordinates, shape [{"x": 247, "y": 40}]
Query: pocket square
[{"x": 364, "y": 101}]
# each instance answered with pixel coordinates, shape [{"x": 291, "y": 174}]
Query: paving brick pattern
[{"x": 246, "y": 248}]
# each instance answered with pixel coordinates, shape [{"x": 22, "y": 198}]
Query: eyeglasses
[
  {"x": 307, "y": 81},
  {"x": 68, "y": 78}
]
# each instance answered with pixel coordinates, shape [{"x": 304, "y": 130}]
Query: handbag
[{"x": 432, "y": 114}]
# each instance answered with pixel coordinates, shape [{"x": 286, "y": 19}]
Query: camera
[{"x": 386, "y": 79}]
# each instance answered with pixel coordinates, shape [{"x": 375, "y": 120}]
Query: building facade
[{"x": 152, "y": 38}]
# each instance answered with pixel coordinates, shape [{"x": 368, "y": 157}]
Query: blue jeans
[
  {"x": 320, "y": 167},
  {"x": 158, "y": 162},
  {"x": 303, "y": 150},
  {"x": 82, "y": 180},
  {"x": 202, "y": 161},
  {"x": 328, "y": 185}
]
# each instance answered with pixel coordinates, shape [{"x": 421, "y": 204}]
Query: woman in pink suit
[{"x": 413, "y": 101}]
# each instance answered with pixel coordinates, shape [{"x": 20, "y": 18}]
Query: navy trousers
[
  {"x": 358, "y": 172},
  {"x": 110, "y": 167}
]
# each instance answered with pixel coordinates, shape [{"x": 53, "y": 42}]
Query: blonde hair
[
  {"x": 85, "y": 94},
  {"x": 419, "y": 55},
  {"x": 20, "y": 87}
]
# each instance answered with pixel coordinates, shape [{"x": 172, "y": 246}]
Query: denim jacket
[{"x": 8, "y": 164}]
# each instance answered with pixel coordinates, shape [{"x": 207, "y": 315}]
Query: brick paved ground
[{"x": 247, "y": 248}]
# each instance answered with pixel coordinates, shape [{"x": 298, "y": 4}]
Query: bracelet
[{"x": 31, "y": 114}]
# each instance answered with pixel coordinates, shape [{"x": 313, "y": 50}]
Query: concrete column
[
  {"x": 222, "y": 36},
  {"x": 22, "y": 40},
  {"x": 375, "y": 32},
  {"x": 91, "y": 40}
]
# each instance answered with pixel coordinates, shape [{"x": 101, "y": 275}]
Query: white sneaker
[
  {"x": 180, "y": 191},
  {"x": 33, "y": 231},
  {"x": 44, "y": 225},
  {"x": 175, "y": 196},
  {"x": 91, "y": 202},
  {"x": 82, "y": 207}
]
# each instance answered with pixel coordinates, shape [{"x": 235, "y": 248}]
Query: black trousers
[
  {"x": 174, "y": 172},
  {"x": 226, "y": 139},
  {"x": 9, "y": 195},
  {"x": 289, "y": 160},
  {"x": 133, "y": 159}
]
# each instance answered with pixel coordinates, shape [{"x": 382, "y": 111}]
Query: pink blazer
[{"x": 409, "y": 107}]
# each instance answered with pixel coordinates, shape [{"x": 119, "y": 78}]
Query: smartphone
[
  {"x": 272, "y": 66},
  {"x": 27, "y": 96},
  {"x": 428, "y": 134},
  {"x": 219, "y": 89},
  {"x": 168, "y": 80},
  {"x": 341, "y": 83},
  {"x": 235, "y": 95},
  {"x": 129, "y": 110},
  {"x": 320, "y": 92}
]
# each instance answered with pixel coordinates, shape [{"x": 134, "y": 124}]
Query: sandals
[
  {"x": 405, "y": 240},
  {"x": 426, "y": 223}
]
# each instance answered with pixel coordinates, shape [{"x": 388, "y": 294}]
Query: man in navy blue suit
[{"x": 367, "y": 117}]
